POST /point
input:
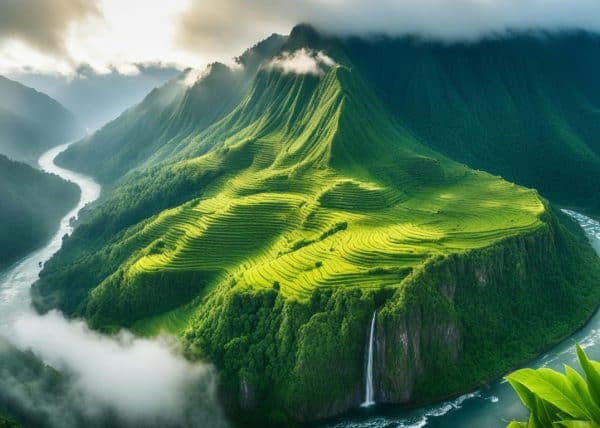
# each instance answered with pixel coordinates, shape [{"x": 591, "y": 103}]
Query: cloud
[
  {"x": 59, "y": 35},
  {"x": 233, "y": 23},
  {"x": 43, "y": 24},
  {"x": 302, "y": 61},
  {"x": 139, "y": 382}
]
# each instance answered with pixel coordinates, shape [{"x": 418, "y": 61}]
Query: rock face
[
  {"x": 460, "y": 312},
  {"x": 401, "y": 345}
]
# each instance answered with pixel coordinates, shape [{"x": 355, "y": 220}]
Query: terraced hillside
[{"x": 267, "y": 240}]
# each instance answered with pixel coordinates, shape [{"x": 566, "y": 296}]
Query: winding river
[
  {"x": 16, "y": 281},
  {"x": 488, "y": 407}
]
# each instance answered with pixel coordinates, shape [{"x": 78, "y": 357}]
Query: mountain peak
[{"x": 304, "y": 36}]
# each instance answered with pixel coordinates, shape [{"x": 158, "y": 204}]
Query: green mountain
[
  {"x": 267, "y": 237},
  {"x": 526, "y": 107},
  {"x": 168, "y": 116},
  {"x": 31, "y": 205},
  {"x": 31, "y": 122}
]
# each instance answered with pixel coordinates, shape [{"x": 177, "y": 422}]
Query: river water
[
  {"x": 16, "y": 281},
  {"x": 493, "y": 406},
  {"x": 488, "y": 407}
]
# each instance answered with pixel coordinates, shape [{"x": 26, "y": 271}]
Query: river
[
  {"x": 118, "y": 381},
  {"x": 488, "y": 407},
  {"x": 16, "y": 281}
]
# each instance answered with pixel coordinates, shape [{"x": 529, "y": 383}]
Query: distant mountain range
[
  {"x": 264, "y": 213},
  {"x": 32, "y": 122},
  {"x": 98, "y": 98}
]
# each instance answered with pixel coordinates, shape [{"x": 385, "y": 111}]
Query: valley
[
  {"x": 328, "y": 230},
  {"x": 266, "y": 237}
]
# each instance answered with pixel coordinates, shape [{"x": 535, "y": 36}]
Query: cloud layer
[
  {"x": 211, "y": 25},
  {"x": 137, "y": 382},
  {"x": 194, "y": 33},
  {"x": 43, "y": 24}
]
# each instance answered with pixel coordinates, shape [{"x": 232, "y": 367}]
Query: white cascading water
[{"x": 369, "y": 394}]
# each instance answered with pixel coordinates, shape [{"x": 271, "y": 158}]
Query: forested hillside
[
  {"x": 31, "y": 204},
  {"x": 269, "y": 231}
]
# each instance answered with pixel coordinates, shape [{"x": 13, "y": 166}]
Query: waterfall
[{"x": 369, "y": 401}]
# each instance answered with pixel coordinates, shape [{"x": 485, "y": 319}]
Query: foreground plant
[{"x": 559, "y": 400}]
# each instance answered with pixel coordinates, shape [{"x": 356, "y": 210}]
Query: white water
[
  {"x": 142, "y": 382},
  {"x": 494, "y": 405},
  {"x": 369, "y": 393}
]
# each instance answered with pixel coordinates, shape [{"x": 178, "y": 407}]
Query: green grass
[{"x": 292, "y": 176}]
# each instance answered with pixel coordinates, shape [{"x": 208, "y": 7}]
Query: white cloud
[
  {"x": 144, "y": 381},
  {"x": 302, "y": 61},
  {"x": 192, "y": 33}
]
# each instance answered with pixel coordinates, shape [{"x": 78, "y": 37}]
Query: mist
[
  {"x": 97, "y": 98},
  {"x": 210, "y": 27},
  {"x": 302, "y": 61},
  {"x": 77, "y": 377}
]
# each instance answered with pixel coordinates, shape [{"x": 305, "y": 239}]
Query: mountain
[
  {"x": 175, "y": 112},
  {"x": 268, "y": 237},
  {"x": 98, "y": 97},
  {"x": 31, "y": 205},
  {"x": 31, "y": 122},
  {"x": 526, "y": 107}
]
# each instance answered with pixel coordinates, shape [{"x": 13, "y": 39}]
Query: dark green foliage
[
  {"x": 278, "y": 350},
  {"x": 524, "y": 107},
  {"x": 7, "y": 423},
  {"x": 31, "y": 204}
]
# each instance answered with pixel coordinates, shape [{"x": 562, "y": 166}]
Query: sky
[{"x": 117, "y": 36}]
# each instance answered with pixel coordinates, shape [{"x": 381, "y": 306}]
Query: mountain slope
[
  {"x": 31, "y": 204},
  {"x": 525, "y": 107},
  {"x": 175, "y": 112},
  {"x": 31, "y": 122},
  {"x": 268, "y": 239}
]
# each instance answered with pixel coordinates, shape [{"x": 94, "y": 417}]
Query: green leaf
[
  {"x": 517, "y": 424},
  {"x": 526, "y": 396},
  {"x": 552, "y": 387},
  {"x": 580, "y": 387},
  {"x": 592, "y": 374}
]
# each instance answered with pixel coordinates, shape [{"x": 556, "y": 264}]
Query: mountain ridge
[{"x": 266, "y": 241}]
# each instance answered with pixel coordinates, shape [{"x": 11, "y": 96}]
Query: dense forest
[{"x": 31, "y": 204}]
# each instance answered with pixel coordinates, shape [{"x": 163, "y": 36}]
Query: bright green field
[{"x": 335, "y": 195}]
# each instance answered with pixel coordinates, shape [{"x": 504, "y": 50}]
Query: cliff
[{"x": 458, "y": 322}]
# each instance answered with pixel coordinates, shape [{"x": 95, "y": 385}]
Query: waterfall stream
[{"x": 369, "y": 395}]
